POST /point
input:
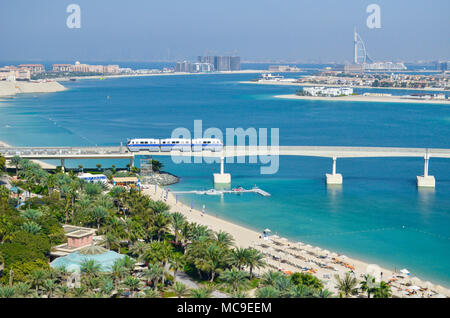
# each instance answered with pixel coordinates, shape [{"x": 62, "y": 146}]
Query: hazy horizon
[{"x": 259, "y": 31}]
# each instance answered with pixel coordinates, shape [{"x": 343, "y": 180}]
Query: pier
[
  {"x": 333, "y": 152},
  {"x": 218, "y": 192}
]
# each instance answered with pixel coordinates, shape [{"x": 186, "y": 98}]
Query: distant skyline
[{"x": 257, "y": 30}]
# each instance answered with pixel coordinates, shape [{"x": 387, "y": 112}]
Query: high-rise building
[{"x": 235, "y": 63}]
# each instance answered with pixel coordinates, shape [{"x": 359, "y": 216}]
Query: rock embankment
[{"x": 162, "y": 179}]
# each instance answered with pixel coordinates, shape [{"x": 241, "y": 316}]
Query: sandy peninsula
[
  {"x": 303, "y": 255},
  {"x": 289, "y": 83},
  {"x": 362, "y": 98},
  {"x": 12, "y": 88}
]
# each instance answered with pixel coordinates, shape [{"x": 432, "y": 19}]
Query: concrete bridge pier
[
  {"x": 222, "y": 178},
  {"x": 63, "y": 164},
  {"x": 426, "y": 180},
  {"x": 131, "y": 162},
  {"x": 334, "y": 178}
]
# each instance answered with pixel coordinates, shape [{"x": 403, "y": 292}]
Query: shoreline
[
  {"x": 338, "y": 85},
  {"x": 362, "y": 98},
  {"x": 246, "y": 237},
  {"x": 66, "y": 79}
]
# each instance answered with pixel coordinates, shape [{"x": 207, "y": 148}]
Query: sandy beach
[
  {"x": 296, "y": 256},
  {"x": 337, "y": 85},
  {"x": 13, "y": 88},
  {"x": 362, "y": 98}
]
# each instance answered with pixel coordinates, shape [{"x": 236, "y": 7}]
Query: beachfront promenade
[{"x": 333, "y": 152}]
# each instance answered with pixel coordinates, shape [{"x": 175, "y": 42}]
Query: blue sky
[{"x": 144, "y": 30}]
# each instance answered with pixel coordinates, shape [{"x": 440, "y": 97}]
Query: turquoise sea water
[{"x": 378, "y": 214}]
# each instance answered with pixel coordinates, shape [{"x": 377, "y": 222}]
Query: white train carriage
[
  {"x": 143, "y": 144},
  {"x": 179, "y": 144},
  {"x": 211, "y": 144}
]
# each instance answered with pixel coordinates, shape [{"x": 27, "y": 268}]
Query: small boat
[
  {"x": 239, "y": 189},
  {"x": 73, "y": 79},
  {"x": 212, "y": 192}
]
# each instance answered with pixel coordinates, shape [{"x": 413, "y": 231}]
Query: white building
[
  {"x": 93, "y": 178},
  {"x": 328, "y": 91}
]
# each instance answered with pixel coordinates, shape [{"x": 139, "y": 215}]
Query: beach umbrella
[
  {"x": 267, "y": 230},
  {"x": 333, "y": 254},
  {"x": 343, "y": 256},
  {"x": 414, "y": 287},
  {"x": 404, "y": 271},
  {"x": 326, "y": 252}
]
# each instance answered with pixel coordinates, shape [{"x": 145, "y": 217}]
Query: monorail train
[{"x": 180, "y": 144}]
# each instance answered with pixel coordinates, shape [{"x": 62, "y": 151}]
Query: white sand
[
  {"x": 362, "y": 98},
  {"x": 245, "y": 237},
  {"x": 13, "y": 88}
]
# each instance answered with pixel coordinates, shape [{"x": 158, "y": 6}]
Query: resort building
[
  {"x": 327, "y": 91},
  {"x": 125, "y": 181},
  {"x": 62, "y": 68},
  {"x": 77, "y": 238},
  {"x": 93, "y": 178},
  {"x": 34, "y": 68},
  {"x": 283, "y": 68},
  {"x": 73, "y": 261}
]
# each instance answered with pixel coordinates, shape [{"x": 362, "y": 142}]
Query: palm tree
[
  {"x": 202, "y": 292},
  {"x": 267, "y": 292},
  {"x": 37, "y": 276},
  {"x": 22, "y": 289},
  {"x": 107, "y": 286},
  {"x": 179, "y": 289},
  {"x": 159, "y": 207},
  {"x": 50, "y": 286},
  {"x": 347, "y": 285},
  {"x": 253, "y": 259},
  {"x": 269, "y": 278},
  {"x": 63, "y": 291},
  {"x": 177, "y": 263},
  {"x": 224, "y": 238},
  {"x": 118, "y": 270},
  {"x": 383, "y": 291},
  {"x": 99, "y": 213},
  {"x": 90, "y": 267},
  {"x": 15, "y": 161},
  {"x": 7, "y": 292},
  {"x": 132, "y": 284},
  {"x": 51, "y": 183},
  {"x": 177, "y": 223},
  {"x": 368, "y": 284},
  {"x": 99, "y": 166},
  {"x": 80, "y": 167},
  {"x": 238, "y": 256},
  {"x": 160, "y": 224},
  {"x": 324, "y": 293},
  {"x": 234, "y": 277}
]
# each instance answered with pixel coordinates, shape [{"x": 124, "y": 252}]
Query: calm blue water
[{"x": 378, "y": 214}]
